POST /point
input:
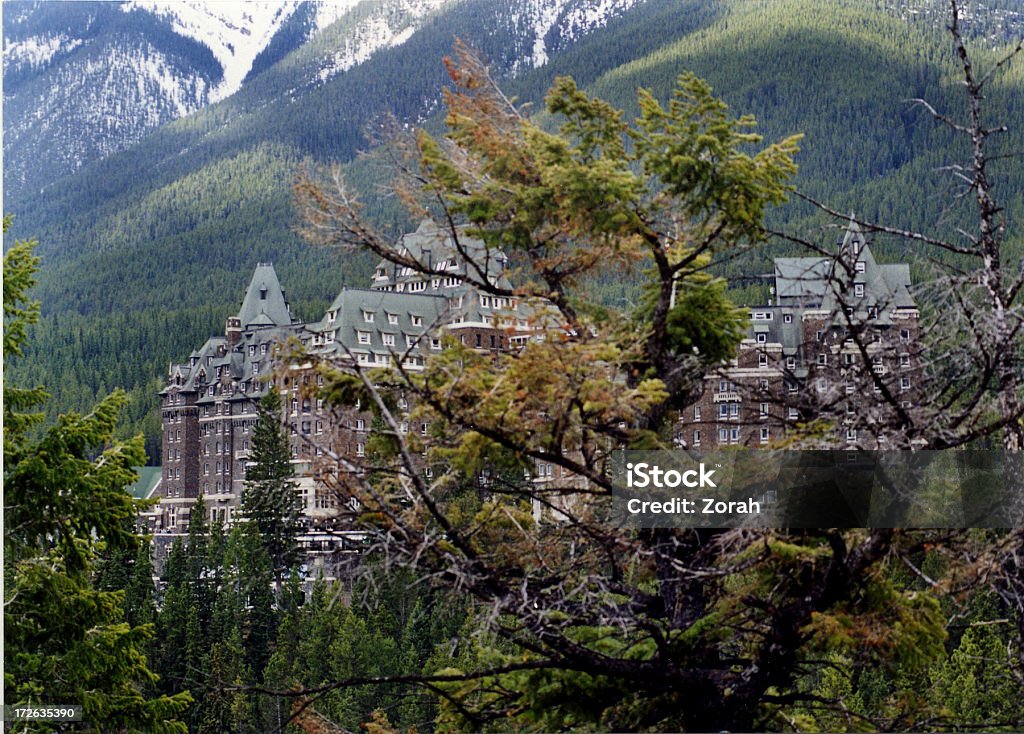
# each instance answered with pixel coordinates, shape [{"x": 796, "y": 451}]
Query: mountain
[
  {"x": 147, "y": 249},
  {"x": 158, "y": 231},
  {"x": 84, "y": 80}
]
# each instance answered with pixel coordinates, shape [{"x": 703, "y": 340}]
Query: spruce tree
[
  {"x": 270, "y": 501},
  {"x": 65, "y": 502}
]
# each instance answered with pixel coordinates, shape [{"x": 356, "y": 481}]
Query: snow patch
[
  {"x": 328, "y": 11},
  {"x": 593, "y": 14},
  {"x": 37, "y": 50},
  {"x": 235, "y": 32},
  {"x": 377, "y": 32}
]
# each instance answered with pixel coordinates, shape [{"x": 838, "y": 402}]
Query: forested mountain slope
[{"x": 148, "y": 250}]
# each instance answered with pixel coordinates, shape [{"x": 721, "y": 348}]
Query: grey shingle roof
[
  {"x": 832, "y": 285},
  {"x": 264, "y": 303}
]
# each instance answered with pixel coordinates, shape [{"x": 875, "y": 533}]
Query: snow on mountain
[
  {"x": 37, "y": 51},
  {"x": 328, "y": 11},
  {"x": 392, "y": 25},
  {"x": 235, "y": 32},
  {"x": 566, "y": 20}
]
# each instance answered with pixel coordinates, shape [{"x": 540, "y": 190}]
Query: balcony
[{"x": 726, "y": 397}]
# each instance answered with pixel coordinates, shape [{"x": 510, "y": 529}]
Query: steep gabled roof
[{"x": 264, "y": 303}]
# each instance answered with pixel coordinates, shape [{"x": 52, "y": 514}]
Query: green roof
[{"x": 149, "y": 476}]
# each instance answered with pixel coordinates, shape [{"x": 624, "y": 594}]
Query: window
[
  {"x": 252, "y": 349},
  {"x": 319, "y": 427},
  {"x": 723, "y": 435},
  {"x": 847, "y": 358},
  {"x": 360, "y": 424},
  {"x": 793, "y": 414},
  {"x": 723, "y": 410},
  {"x": 360, "y": 449},
  {"x": 696, "y": 438},
  {"x": 364, "y": 337},
  {"x": 762, "y": 338},
  {"x": 389, "y": 340},
  {"x": 306, "y": 427},
  {"x": 734, "y": 410},
  {"x": 696, "y": 412},
  {"x": 368, "y": 317},
  {"x": 723, "y": 386},
  {"x": 904, "y": 360},
  {"x": 859, "y": 267},
  {"x": 822, "y": 385},
  {"x": 734, "y": 435},
  {"x": 417, "y": 320},
  {"x": 411, "y": 341},
  {"x": 851, "y": 435},
  {"x": 822, "y": 359},
  {"x": 485, "y": 301},
  {"x": 904, "y": 336},
  {"x": 762, "y": 315},
  {"x": 765, "y": 434},
  {"x": 762, "y": 360},
  {"x": 790, "y": 363},
  {"x": 424, "y": 427},
  {"x": 858, "y": 290},
  {"x": 435, "y": 343},
  {"x": 818, "y": 335},
  {"x": 393, "y": 318},
  {"x": 787, "y": 318},
  {"x": 764, "y": 410},
  {"x": 791, "y": 387},
  {"x": 904, "y": 384}
]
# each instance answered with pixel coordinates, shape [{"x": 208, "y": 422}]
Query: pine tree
[
  {"x": 270, "y": 501},
  {"x": 65, "y": 502}
]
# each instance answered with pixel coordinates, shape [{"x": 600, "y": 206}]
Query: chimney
[{"x": 233, "y": 332}]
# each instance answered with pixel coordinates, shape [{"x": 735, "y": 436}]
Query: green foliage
[
  {"x": 65, "y": 503},
  {"x": 269, "y": 500}
]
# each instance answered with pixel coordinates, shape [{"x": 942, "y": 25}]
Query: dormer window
[
  {"x": 393, "y": 319},
  {"x": 417, "y": 321},
  {"x": 368, "y": 317},
  {"x": 364, "y": 337},
  {"x": 263, "y": 293},
  {"x": 263, "y": 348},
  {"x": 860, "y": 266},
  {"x": 856, "y": 247},
  {"x": 858, "y": 290}
]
